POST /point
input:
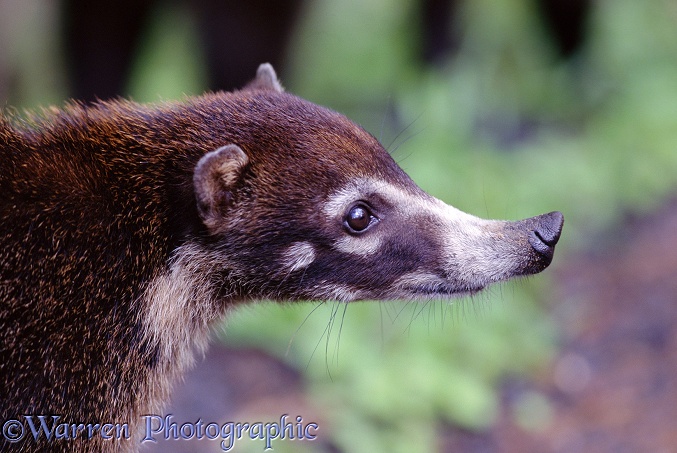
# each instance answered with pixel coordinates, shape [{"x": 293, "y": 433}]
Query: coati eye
[{"x": 358, "y": 218}]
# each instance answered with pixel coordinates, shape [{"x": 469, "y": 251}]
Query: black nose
[{"x": 546, "y": 233}]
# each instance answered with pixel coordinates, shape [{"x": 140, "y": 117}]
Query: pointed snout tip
[
  {"x": 550, "y": 227},
  {"x": 546, "y": 234}
]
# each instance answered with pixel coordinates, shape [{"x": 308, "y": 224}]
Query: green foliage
[
  {"x": 388, "y": 373},
  {"x": 169, "y": 64}
]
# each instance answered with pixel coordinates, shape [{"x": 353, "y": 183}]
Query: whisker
[
  {"x": 343, "y": 317},
  {"x": 389, "y": 147},
  {"x": 291, "y": 340}
]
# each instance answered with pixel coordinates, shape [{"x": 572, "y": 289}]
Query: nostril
[
  {"x": 541, "y": 246},
  {"x": 546, "y": 238},
  {"x": 549, "y": 228}
]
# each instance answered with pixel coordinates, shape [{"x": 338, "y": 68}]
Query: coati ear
[
  {"x": 214, "y": 179},
  {"x": 266, "y": 79}
]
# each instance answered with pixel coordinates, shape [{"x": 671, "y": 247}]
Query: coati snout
[{"x": 127, "y": 230}]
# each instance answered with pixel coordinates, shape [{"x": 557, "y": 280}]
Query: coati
[{"x": 127, "y": 230}]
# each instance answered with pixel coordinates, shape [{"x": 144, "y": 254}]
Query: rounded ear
[{"x": 214, "y": 179}]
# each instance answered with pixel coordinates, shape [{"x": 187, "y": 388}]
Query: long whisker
[{"x": 291, "y": 340}]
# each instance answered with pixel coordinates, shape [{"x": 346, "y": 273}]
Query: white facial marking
[
  {"x": 363, "y": 246},
  {"x": 473, "y": 245},
  {"x": 337, "y": 205},
  {"x": 477, "y": 247},
  {"x": 298, "y": 256},
  {"x": 474, "y": 248}
]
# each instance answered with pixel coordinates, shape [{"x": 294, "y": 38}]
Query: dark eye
[{"x": 358, "y": 218}]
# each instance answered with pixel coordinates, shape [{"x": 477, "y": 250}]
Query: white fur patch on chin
[{"x": 298, "y": 256}]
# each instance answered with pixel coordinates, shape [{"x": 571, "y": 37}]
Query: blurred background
[{"x": 502, "y": 108}]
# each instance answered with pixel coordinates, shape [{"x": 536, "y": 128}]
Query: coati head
[{"x": 315, "y": 208}]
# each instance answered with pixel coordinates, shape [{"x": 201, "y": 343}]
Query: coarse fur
[{"x": 127, "y": 230}]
